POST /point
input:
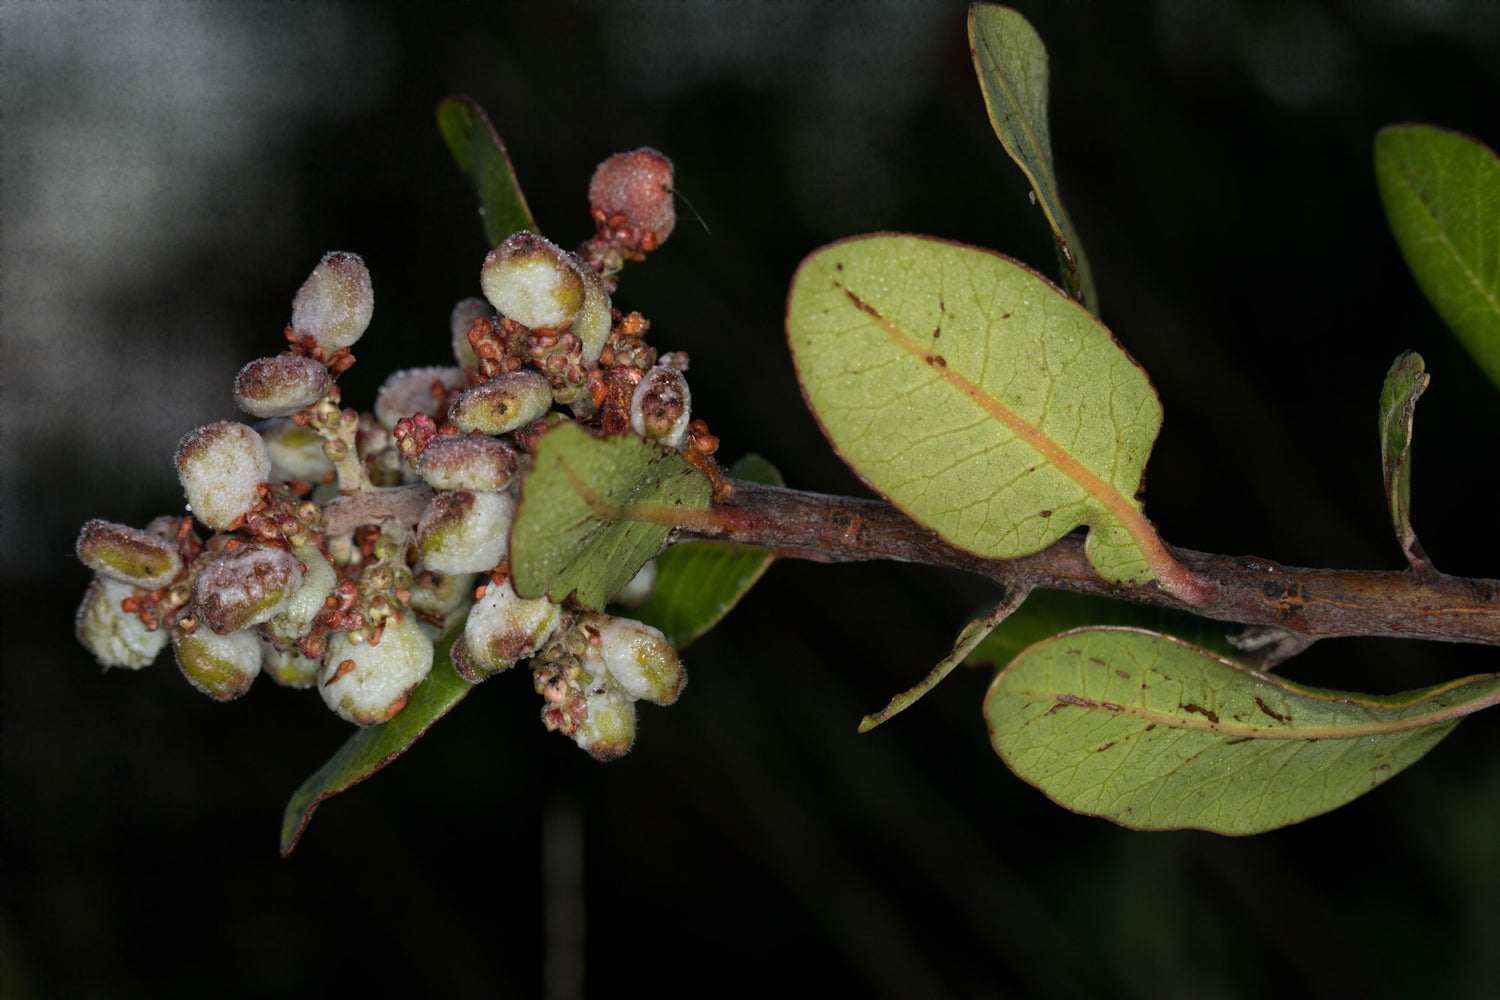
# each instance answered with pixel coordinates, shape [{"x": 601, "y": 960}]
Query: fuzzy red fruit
[{"x": 637, "y": 186}]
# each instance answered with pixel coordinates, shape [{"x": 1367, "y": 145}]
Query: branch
[{"x": 1308, "y": 603}]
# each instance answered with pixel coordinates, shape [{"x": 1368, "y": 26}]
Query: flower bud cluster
[{"x": 342, "y": 544}]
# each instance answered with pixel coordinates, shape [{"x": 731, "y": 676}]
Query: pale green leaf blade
[
  {"x": 1441, "y": 192},
  {"x": 971, "y": 636},
  {"x": 978, "y": 398},
  {"x": 372, "y": 748},
  {"x": 593, "y": 510},
  {"x": 482, "y": 156},
  {"x": 698, "y": 583},
  {"x": 1404, "y": 384},
  {"x": 1011, "y": 63},
  {"x": 1154, "y": 734}
]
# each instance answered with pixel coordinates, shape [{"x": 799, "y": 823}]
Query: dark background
[{"x": 172, "y": 171}]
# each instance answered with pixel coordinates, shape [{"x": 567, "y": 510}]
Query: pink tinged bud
[
  {"x": 533, "y": 281},
  {"x": 140, "y": 558},
  {"x": 637, "y": 186},
  {"x": 295, "y": 452},
  {"x": 221, "y": 666},
  {"x": 661, "y": 407},
  {"x": 295, "y": 618},
  {"x": 503, "y": 628},
  {"x": 407, "y": 393},
  {"x": 288, "y": 667},
  {"x": 468, "y": 462},
  {"x": 336, "y": 302},
  {"x": 220, "y": 467},
  {"x": 609, "y": 729},
  {"x": 279, "y": 386},
  {"x": 368, "y": 685},
  {"x": 641, "y": 661},
  {"x": 463, "y": 531},
  {"x": 463, "y": 316},
  {"x": 245, "y": 586},
  {"x": 115, "y": 637},
  {"x": 505, "y": 403}
]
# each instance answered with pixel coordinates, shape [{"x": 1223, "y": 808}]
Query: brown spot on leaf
[
  {"x": 1207, "y": 713},
  {"x": 1267, "y": 709}
]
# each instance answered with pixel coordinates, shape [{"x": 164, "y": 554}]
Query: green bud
[
  {"x": 463, "y": 531},
  {"x": 407, "y": 393},
  {"x": 319, "y": 578},
  {"x": 245, "y": 586},
  {"x": 117, "y": 638},
  {"x": 505, "y": 403},
  {"x": 641, "y": 661},
  {"x": 609, "y": 729},
  {"x": 220, "y": 467},
  {"x": 279, "y": 386},
  {"x": 221, "y": 666},
  {"x": 139, "y": 558},
  {"x": 287, "y": 666},
  {"x": 503, "y": 628},
  {"x": 533, "y": 281},
  {"x": 368, "y": 684}
]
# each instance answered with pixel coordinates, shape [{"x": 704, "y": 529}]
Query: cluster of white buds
[{"x": 342, "y": 544}]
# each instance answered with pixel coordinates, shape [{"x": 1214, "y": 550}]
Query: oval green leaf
[
  {"x": 977, "y": 397},
  {"x": 372, "y": 748},
  {"x": 594, "y": 509},
  {"x": 1011, "y": 62},
  {"x": 1441, "y": 192},
  {"x": 1404, "y": 385},
  {"x": 698, "y": 583},
  {"x": 482, "y": 156},
  {"x": 1155, "y": 734}
]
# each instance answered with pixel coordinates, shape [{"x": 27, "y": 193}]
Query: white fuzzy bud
[
  {"x": 640, "y": 588},
  {"x": 533, "y": 281},
  {"x": 335, "y": 304},
  {"x": 129, "y": 555},
  {"x": 279, "y": 386},
  {"x": 463, "y": 531},
  {"x": 467, "y": 462},
  {"x": 505, "y": 403},
  {"x": 641, "y": 661},
  {"x": 463, "y": 316},
  {"x": 220, "y": 467},
  {"x": 368, "y": 685},
  {"x": 296, "y": 452},
  {"x": 288, "y": 667},
  {"x": 116, "y": 638},
  {"x": 592, "y": 324},
  {"x": 609, "y": 729},
  {"x": 245, "y": 586},
  {"x": 662, "y": 407},
  {"x": 221, "y": 666},
  {"x": 407, "y": 393},
  {"x": 295, "y": 618},
  {"x": 503, "y": 628}
]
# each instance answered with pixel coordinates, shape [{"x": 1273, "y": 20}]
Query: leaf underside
[
  {"x": 1404, "y": 385},
  {"x": 481, "y": 155},
  {"x": 698, "y": 583},
  {"x": 1011, "y": 63},
  {"x": 1154, "y": 734},
  {"x": 573, "y": 533},
  {"x": 977, "y": 397},
  {"x": 1441, "y": 192},
  {"x": 372, "y": 748}
]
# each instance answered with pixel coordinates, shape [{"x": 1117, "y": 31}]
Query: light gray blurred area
[{"x": 144, "y": 176}]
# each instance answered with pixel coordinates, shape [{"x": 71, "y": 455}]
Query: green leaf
[
  {"x": 1154, "y": 734},
  {"x": 1441, "y": 192},
  {"x": 480, "y": 154},
  {"x": 1404, "y": 384},
  {"x": 970, "y": 637},
  {"x": 1048, "y": 612},
  {"x": 593, "y": 510},
  {"x": 1011, "y": 62},
  {"x": 979, "y": 399},
  {"x": 372, "y": 748},
  {"x": 698, "y": 583}
]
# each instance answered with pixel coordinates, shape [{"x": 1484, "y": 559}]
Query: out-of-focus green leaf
[
  {"x": 970, "y": 637},
  {"x": 1011, "y": 62},
  {"x": 698, "y": 583},
  {"x": 1404, "y": 384},
  {"x": 1441, "y": 192},
  {"x": 1154, "y": 734},
  {"x": 978, "y": 398},
  {"x": 372, "y": 748},
  {"x": 481, "y": 155},
  {"x": 593, "y": 510}
]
